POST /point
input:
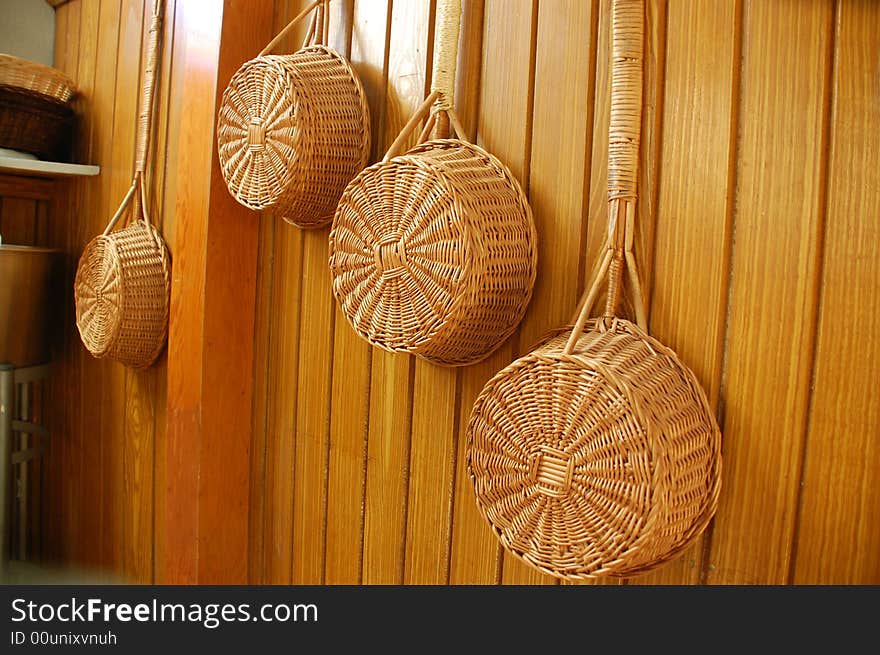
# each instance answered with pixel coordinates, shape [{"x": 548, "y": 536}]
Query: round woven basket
[
  {"x": 123, "y": 282},
  {"x": 433, "y": 252},
  {"x": 601, "y": 461},
  {"x": 122, "y": 289},
  {"x": 293, "y": 130},
  {"x": 597, "y": 454}
]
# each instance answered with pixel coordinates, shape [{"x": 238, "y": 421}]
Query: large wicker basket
[
  {"x": 35, "y": 123},
  {"x": 293, "y": 130},
  {"x": 597, "y": 453},
  {"x": 433, "y": 252},
  {"x": 123, "y": 283},
  {"x": 35, "y": 111}
]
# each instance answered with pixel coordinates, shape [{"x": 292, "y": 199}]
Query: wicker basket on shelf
[
  {"x": 433, "y": 251},
  {"x": 597, "y": 454},
  {"x": 35, "y": 112},
  {"x": 293, "y": 130},
  {"x": 123, "y": 282}
]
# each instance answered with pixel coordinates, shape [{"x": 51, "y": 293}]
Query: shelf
[{"x": 39, "y": 168}]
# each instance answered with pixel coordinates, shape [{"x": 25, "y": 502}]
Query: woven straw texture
[
  {"x": 434, "y": 253},
  {"x": 293, "y": 130},
  {"x": 35, "y": 123},
  {"x": 123, "y": 287},
  {"x": 600, "y": 462},
  {"x": 31, "y": 76}
]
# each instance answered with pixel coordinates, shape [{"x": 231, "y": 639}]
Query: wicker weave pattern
[
  {"x": 433, "y": 253},
  {"x": 36, "y": 77},
  {"x": 638, "y": 445},
  {"x": 293, "y": 130},
  {"x": 35, "y": 123},
  {"x": 123, "y": 287}
]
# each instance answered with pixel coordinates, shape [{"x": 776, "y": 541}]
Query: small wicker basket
[
  {"x": 293, "y": 130},
  {"x": 433, "y": 252},
  {"x": 123, "y": 282},
  {"x": 597, "y": 454}
]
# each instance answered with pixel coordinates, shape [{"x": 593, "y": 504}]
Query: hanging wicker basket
[
  {"x": 123, "y": 281},
  {"x": 597, "y": 454},
  {"x": 433, "y": 252},
  {"x": 293, "y": 130}
]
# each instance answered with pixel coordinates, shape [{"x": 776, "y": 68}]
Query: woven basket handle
[
  {"x": 317, "y": 28},
  {"x": 137, "y": 190},
  {"x": 624, "y": 131},
  {"x": 442, "y": 121}
]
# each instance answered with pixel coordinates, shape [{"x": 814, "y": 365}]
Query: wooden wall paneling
[
  {"x": 838, "y": 535},
  {"x": 284, "y": 345},
  {"x": 436, "y": 394},
  {"x": 259, "y": 492},
  {"x": 164, "y": 170},
  {"x": 55, "y": 421},
  {"x": 113, "y": 406},
  {"x": 18, "y": 221},
  {"x": 350, "y": 394},
  {"x": 97, "y": 81},
  {"x": 392, "y": 374},
  {"x": 503, "y": 127},
  {"x": 557, "y": 177},
  {"x": 688, "y": 308},
  {"x": 210, "y": 387},
  {"x": 315, "y": 377},
  {"x": 773, "y": 297},
  {"x": 64, "y": 512},
  {"x": 168, "y": 147}
]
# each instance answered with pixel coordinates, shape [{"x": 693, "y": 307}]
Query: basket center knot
[
  {"x": 551, "y": 471},
  {"x": 256, "y": 134},
  {"x": 390, "y": 256}
]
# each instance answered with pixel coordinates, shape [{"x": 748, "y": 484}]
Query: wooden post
[{"x": 202, "y": 514}]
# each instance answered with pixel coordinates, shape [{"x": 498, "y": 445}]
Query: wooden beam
[{"x": 204, "y": 536}]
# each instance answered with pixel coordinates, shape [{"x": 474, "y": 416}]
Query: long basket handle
[
  {"x": 137, "y": 190},
  {"x": 305, "y": 12},
  {"x": 447, "y": 26},
  {"x": 624, "y": 132},
  {"x": 442, "y": 120}
]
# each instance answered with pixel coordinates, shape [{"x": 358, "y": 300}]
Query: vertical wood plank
[
  {"x": 97, "y": 81},
  {"x": 371, "y": 30},
  {"x": 780, "y": 197},
  {"x": 435, "y": 427},
  {"x": 350, "y": 397},
  {"x": 392, "y": 374},
  {"x": 164, "y": 170},
  {"x": 691, "y": 261},
  {"x": 313, "y": 410},
  {"x": 503, "y": 128},
  {"x": 838, "y": 539}
]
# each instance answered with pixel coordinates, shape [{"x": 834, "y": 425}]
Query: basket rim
[
  {"x": 50, "y": 76},
  {"x": 114, "y": 334}
]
